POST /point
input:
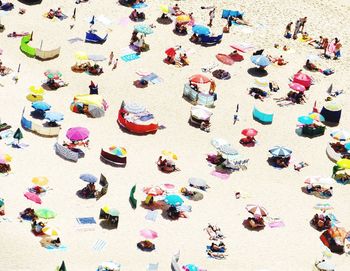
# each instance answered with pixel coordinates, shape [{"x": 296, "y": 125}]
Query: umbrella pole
[
  {"x": 19, "y": 67},
  {"x": 41, "y": 44}
]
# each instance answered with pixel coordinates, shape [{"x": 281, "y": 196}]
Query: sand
[{"x": 293, "y": 247}]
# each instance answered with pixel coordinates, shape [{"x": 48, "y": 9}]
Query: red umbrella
[
  {"x": 249, "y": 132},
  {"x": 302, "y": 79},
  {"x": 237, "y": 57},
  {"x": 297, "y": 87},
  {"x": 225, "y": 59},
  {"x": 170, "y": 52},
  {"x": 33, "y": 197},
  {"x": 199, "y": 79}
]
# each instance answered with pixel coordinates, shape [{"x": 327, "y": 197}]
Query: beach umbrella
[
  {"x": 279, "y": 151},
  {"x": 5, "y": 158},
  {"x": 297, "y": 87},
  {"x": 52, "y": 231},
  {"x": 148, "y": 234},
  {"x": 305, "y": 120},
  {"x": 313, "y": 58},
  {"x": 40, "y": 181},
  {"x": 18, "y": 134},
  {"x": 33, "y": 197},
  {"x": 341, "y": 135},
  {"x": 53, "y": 116},
  {"x": 183, "y": 18},
  {"x": 62, "y": 267},
  {"x": 169, "y": 154},
  {"x": 326, "y": 265},
  {"x": 197, "y": 182},
  {"x": 199, "y": 79},
  {"x": 80, "y": 55},
  {"x": 317, "y": 116},
  {"x": 153, "y": 191},
  {"x": 110, "y": 211},
  {"x": 143, "y": 29},
  {"x": 36, "y": 91},
  {"x": 249, "y": 132},
  {"x": 261, "y": 82},
  {"x": 89, "y": 178},
  {"x": 164, "y": 9},
  {"x": 256, "y": 210},
  {"x": 96, "y": 111},
  {"x": 134, "y": 108},
  {"x": 201, "y": 112},
  {"x": 347, "y": 146},
  {"x": 77, "y": 133},
  {"x": 190, "y": 267},
  {"x": 225, "y": 59},
  {"x": 302, "y": 79},
  {"x": 260, "y": 60},
  {"x": 200, "y": 29},
  {"x": 53, "y": 74},
  {"x": 217, "y": 142},
  {"x": 109, "y": 266},
  {"x": 41, "y": 106},
  {"x": 118, "y": 151},
  {"x": 344, "y": 163},
  {"x": 45, "y": 213},
  {"x": 170, "y": 52},
  {"x": 173, "y": 199},
  {"x": 344, "y": 171},
  {"x": 227, "y": 150}
]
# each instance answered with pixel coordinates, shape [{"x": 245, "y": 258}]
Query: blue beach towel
[
  {"x": 54, "y": 248},
  {"x": 86, "y": 220},
  {"x": 147, "y": 117},
  {"x": 130, "y": 57}
]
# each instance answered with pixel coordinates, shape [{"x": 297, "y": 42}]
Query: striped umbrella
[
  {"x": 317, "y": 117},
  {"x": 134, "y": 108},
  {"x": 256, "y": 210},
  {"x": 279, "y": 151},
  {"x": 52, "y": 231},
  {"x": 341, "y": 135},
  {"x": 153, "y": 191}
]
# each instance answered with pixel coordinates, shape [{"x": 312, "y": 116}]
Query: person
[
  {"x": 51, "y": 14},
  {"x": 58, "y": 13},
  {"x": 211, "y": 17},
  {"x": 217, "y": 248},
  {"x": 184, "y": 59},
  {"x": 241, "y": 21},
  {"x": 111, "y": 56},
  {"x": 115, "y": 64},
  {"x": 205, "y": 126},
  {"x": 288, "y": 32},
  {"x": 93, "y": 88},
  {"x": 212, "y": 86},
  {"x": 302, "y": 23},
  {"x": 305, "y": 36},
  {"x": 311, "y": 66},
  {"x": 194, "y": 38},
  {"x": 338, "y": 45},
  {"x": 279, "y": 60},
  {"x": 194, "y": 86},
  {"x": 235, "y": 119},
  {"x": 134, "y": 14},
  {"x": 49, "y": 241}
]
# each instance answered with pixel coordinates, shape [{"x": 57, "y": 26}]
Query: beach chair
[{"x": 94, "y": 38}]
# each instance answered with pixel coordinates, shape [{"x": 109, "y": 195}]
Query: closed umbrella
[
  {"x": 297, "y": 87},
  {"x": 96, "y": 111},
  {"x": 249, "y": 132},
  {"x": 344, "y": 163},
  {"x": 199, "y": 79},
  {"x": 256, "y": 210},
  {"x": 197, "y": 182},
  {"x": 41, "y": 106},
  {"x": 341, "y": 135},
  {"x": 40, "y": 181},
  {"x": 260, "y": 60},
  {"x": 52, "y": 231},
  {"x": 143, "y": 29},
  {"x": 173, "y": 200},
  {"x": 77, "y": 133},
  {"x": 33, "y": 197},
  {"x": 200, "y": 29},
  {"x": 279, "y": 151},
  {"x": 148, "y": 234},
  {"x": 134, "y": 108},
  {"x": 225, "y": 59},
  {"x": 306, "y": 120},
  {"x": 89, "y": 178},
  {"x": 53, "y": 116},
  {"x": 45, "y": 213}
]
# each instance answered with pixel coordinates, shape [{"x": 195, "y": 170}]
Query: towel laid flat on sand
[{"x": 130, "y": 57}]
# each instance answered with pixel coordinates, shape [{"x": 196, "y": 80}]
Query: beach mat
[
  {"x": 130, "y": 57},
  {"x": 54, "y": 248},
  {"x": 86, "y": 220},
  {"x": 151, "y": 215},
  {"x": 222, "y": 176}
]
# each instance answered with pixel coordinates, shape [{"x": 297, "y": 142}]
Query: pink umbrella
[
  {"x": 153, "y": 191},
  {"x": 168, "y": 186},
  {"x": 149, "y": 234},
  {"x": 33, "y": 197},
  {"x": 225, "y": 59},
  {"x": 77, "y": 133},
  {"x": 297, "y": 87},
  {"x": 302, "y": 79}
]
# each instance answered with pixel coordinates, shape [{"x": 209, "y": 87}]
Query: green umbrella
[
  {"x": 18, "y": 135},
  {"x": 45, "y": 213},
  {"x": 63, "y": 267}
]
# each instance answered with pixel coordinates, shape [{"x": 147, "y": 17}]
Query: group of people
[
  {"x": 138, "y": 42},
  {"x": 137, "y": 16},
  {"x": 323, "y": 191},
  {"x": 166, "y": 165},
  {"x": 55, "y": 13}
]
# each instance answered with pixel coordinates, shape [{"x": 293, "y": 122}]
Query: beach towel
[
  {"x": 152, "y": 77},
  {"x": 151, "y": 215},
  {"x": 124, "y": 21},
  {"x": 86, "y": 220},
  {"x": 54, "y": 248},
  {"x": 140, "y": 5},
  {"x": 275, "y": 222},
  {"x": 99, "y": 245},
  {"x": 97, "y": 57},
  {"x": 130, "y": 57},
  {"x": 73, "y": 40},
  {"x": 152, "y": 267}
]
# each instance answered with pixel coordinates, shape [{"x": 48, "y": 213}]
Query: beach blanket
[
  {"x": 86, "y": 220},
  {"x": 151, "y": 215},
  {"x": 54, "y": 248},
  {"x": 275, "y": 222},
  {"x": 222, "y": 176},
  {"x": 99, "y": 245},
  {"x": 130, "y": 57}
]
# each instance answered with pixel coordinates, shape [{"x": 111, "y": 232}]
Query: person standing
[
  {"x": 115, "y": 64},
  {"x": 211, "y": 17},
  {"x": 288, "y": 32},
  {"x": 302, "y": 23},
  {"x": 111, "y": 56},
  {"x": 338, "y": 45}
]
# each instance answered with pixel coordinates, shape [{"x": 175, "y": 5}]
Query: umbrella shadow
[
  {"x": 165, "y": 21},
  {"x": 256, "y": 72},
  {"x": 179, "y": 33},
  {"x": 107, "y": 225},
  {"x": 30, "y": 2},
  {"x": 246, "y": 225},
  {"x": 80, "y": 195}
]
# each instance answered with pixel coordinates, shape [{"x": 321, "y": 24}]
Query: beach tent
[
  {"x": 262, "y": 117},
  {"x": 132, "y": 199},
  {"x": 331, "y": 112}
]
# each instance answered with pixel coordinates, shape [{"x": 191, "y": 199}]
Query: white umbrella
[
  {"x": 200, "y": 112},
  {"x": 217, "y": 142},
  {"x": 109, "y": 265},
  {"x": 325, "y": 265},
  {"x": 197, "y": 182}
]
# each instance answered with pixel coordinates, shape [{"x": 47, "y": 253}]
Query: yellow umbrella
[
  {"x": 164, "y": 9},
  {"x": 41, "y": 181},
  {"x": 170, "y": 154},
  {"x": 52, "y": 231},
  {"x": 34, "y": 98},
  {"x": 36, "y": 91},
  {"x": 81, "y": 56},
  {"x": 344, "y": 163},
  {"x": 183, "y": 18}
]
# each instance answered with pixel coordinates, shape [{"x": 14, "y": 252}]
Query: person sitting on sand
[
  {"x": 216, "y": 255},
  {"x": 311, "y": 66},
  {"x": 58, "y": 13},
  {"x": 217, "y": 247},
  {"x": 205, "y": 126},
  {"x": 278, "y": 60},
  {"x": 51, "y": 14},
  {"x": 134, "y": 15},
  {"x": 49, "y": 242},
  {"x": 184, "y": 59}
]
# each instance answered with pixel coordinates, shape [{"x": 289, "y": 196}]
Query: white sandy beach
[{"x": 293, "y": 247}]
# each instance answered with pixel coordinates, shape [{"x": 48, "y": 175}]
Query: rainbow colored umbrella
[{"x": 118, "y": 151}]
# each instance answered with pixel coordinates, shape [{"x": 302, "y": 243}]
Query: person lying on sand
[
  {"x": 278, "y": 60},
  {"x": 241, "y": 21}
]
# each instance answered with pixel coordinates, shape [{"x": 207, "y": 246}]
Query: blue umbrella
[
  {"x": 173, "y": 200},
  {"x": 305, "y": 120},
  {"x": 347, "y": 146},
  {"x": 53, "y": 116},
  {"x": 191, "y": 267},
  {"x": 279, "y": 151},
  {"x": 201, "y": 30},
  {"x": 260, "y": 60},
  {"x": 88, "y": 178},
  {"x": 143, "y": 29},
  {"x": 41, "y": 106}
]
